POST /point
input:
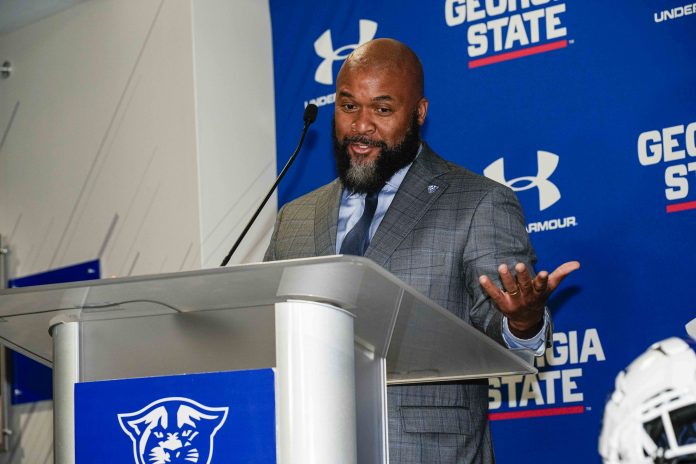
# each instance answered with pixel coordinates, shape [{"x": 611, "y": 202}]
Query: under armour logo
[
  {"x": 324, "y": 48},
  {"x": 547, "y": 163},
  {"x": 173, "y": 430}
]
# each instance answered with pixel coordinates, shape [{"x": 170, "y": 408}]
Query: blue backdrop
[{"x": 587, "y": 110}]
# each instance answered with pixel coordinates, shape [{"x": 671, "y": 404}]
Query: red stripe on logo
[
  {"x": 518, "y": 54},
  {"x": 536, "y": 413},
  {"x": 681, "y": 206}
]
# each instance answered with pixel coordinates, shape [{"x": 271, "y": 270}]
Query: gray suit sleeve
[
  {"x": 497, "y": 235},
  {"x": 270, "y": 254}
]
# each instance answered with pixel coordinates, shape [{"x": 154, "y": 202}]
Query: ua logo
[
  {"x": 547, "y": 163},
  {"x": 173, "y": 430},
  {"x": 324, "y": 48}
]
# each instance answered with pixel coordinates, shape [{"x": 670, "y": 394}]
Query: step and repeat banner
[{"x": 588, "y": 111}]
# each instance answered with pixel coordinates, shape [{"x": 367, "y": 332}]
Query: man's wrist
[
  {"x": 531, "y": 341},
  {"x": 525, "y": 333}
]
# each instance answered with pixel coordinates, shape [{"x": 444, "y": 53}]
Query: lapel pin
[{"x": 432, "y": 188}]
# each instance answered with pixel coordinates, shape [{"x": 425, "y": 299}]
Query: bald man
[{"x": 457, "y": 237}]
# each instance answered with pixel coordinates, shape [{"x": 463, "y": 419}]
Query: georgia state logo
[
  {"x": 546, "y": 162},
  {"x": 323, "y": 46},
  {"x": 173, "y": 430}
]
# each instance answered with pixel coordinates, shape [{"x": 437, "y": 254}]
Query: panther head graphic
[{"x": 173, "y": 430}]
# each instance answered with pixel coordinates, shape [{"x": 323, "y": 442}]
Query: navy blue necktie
[{"x": 357, "y": 239}]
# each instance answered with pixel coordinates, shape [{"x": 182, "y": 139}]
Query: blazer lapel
[
  {"x": 326, "y": 219},
  {"x": 417, "y": 193}
]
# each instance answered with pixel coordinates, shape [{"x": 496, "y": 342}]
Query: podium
[{"x": 335, "y": 330}]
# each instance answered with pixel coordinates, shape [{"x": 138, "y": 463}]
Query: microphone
[{"x": 310, "y": 115}]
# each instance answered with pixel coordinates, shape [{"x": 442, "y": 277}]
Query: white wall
[
  {"x": 99, "y": 157},
  {"x": 18, "y": 13},
  {"x": 236, "y": 130},
  {"x": 112, "y": 150}
]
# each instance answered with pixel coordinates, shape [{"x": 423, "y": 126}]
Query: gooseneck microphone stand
[{"x": 310, "y": 115}]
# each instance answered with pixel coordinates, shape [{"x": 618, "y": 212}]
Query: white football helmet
[{"x": 651, "y": 416}]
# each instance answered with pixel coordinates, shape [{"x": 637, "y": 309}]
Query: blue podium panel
[{"x": 224, "y": 417}]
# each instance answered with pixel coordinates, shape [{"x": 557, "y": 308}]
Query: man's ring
[{"x": 515, "y": 293}]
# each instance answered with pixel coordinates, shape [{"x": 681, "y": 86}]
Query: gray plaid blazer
[{"x": 445, "y": 227}]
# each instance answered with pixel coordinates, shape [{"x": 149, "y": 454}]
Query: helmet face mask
[
  {"x": 651, "y": 416},
  {"x": 674, "y": 434},
  {"x": 684, "y": 426}
]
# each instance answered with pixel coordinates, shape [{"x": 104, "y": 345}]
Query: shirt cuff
[{"x": 536, "y": 343}]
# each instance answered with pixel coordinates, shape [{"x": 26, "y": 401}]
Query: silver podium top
[{"x": 422, "y": 341}]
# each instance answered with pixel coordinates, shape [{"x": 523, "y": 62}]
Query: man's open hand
[{"x": 523, "y": 299}]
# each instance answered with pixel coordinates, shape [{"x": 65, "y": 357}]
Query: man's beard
[{"x": 370, "y": 176}]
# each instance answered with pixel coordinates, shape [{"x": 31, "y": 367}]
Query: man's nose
[{"x": 363, "y": 122}]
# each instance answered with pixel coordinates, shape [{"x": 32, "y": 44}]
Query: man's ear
[{"x": 422, "y": 110}]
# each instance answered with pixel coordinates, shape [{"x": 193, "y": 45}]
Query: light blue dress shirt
[
  {"x": 353, "y": 205},
  {"x": 349, "y": 213}
]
